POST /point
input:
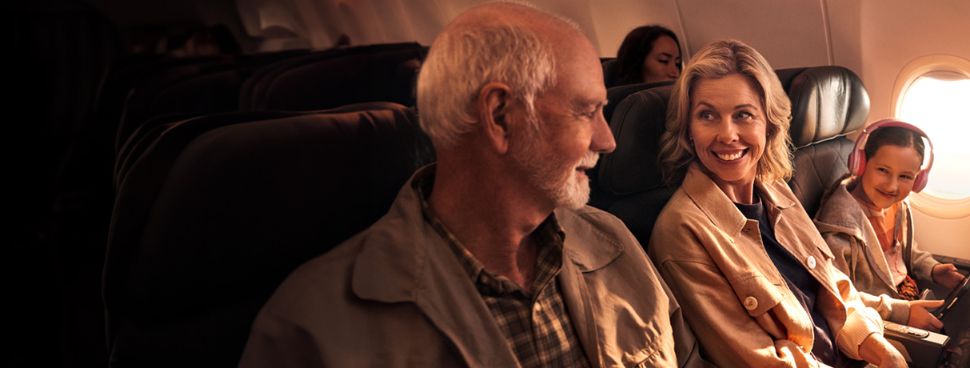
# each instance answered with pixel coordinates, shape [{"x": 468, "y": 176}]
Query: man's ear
[{"x": 494, "y": 101}]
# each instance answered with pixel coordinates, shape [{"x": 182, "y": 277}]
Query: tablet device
[{"x": 951, "y": 300}]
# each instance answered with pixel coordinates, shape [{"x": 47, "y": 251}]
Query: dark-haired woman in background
[{"x": 648, "y": 54}]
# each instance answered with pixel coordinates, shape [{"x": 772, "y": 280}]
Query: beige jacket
[
  {"x": 396, "y": 296},
  {"x": 735, "y": 299},
  {"x": 844, "y": 226}
]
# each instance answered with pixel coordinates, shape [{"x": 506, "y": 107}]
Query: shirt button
[
  {"x": 750, "y": 303},
  {"x": 811, "y": 262}
]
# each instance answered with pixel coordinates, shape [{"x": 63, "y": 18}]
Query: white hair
[{"x": 464, "y": 59}]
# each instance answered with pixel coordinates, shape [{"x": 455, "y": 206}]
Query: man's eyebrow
[{"x": 580, "y": 104}]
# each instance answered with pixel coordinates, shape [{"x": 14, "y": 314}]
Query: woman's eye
[
  {"x": 706, "y": 115},
  {"x": 744, "y": 115}
]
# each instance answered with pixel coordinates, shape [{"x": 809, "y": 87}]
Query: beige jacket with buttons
[{"x": 732, "y": 295}]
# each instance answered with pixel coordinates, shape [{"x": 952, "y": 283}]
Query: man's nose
[{"x": 603, "y": 141}]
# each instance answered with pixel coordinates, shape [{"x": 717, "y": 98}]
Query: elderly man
[{"x": 490, "y": 258}]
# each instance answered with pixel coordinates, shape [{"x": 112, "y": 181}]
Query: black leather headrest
[
  {"x": 609, "y": 71},
  {"x": 637, "y": 124},
  {"x": 827, "y": 102},
  {"x": 615, "y": 95}
]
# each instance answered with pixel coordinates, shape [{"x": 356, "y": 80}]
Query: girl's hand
[
  {"x": 947, "y": 275},
  {"x": 919, "y": 317}
]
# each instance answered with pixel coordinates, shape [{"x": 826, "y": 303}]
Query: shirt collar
[{"x": 549, "y": 237}]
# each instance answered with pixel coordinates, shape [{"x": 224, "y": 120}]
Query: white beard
[{"x": 559, "y": 181}]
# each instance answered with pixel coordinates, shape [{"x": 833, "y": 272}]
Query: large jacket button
[
  {"x": 750, "y": 303},
  {"x": 811, "y": 262}
]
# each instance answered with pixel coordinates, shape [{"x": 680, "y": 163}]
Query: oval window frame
[{"x": 943, "y": 208}]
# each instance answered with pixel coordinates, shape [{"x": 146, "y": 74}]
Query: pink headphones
[{"x": 857, "y": 159}]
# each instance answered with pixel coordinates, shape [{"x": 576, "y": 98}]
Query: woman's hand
[
  {"x": 947, "y": 275},
  {"x": 919, "y": 317},
  {"x": 877, "y": 350}
]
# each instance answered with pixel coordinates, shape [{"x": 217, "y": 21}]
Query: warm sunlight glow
[{"x": 940, "y": 108}]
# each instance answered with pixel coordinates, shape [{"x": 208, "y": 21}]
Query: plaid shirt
[{"x": 536, "y": 327}]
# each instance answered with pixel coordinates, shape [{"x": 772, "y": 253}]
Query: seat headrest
[
  {"x": 827, "y": 102},
  {"x": 637, "y": 123},
  {"x": 616, "y": 95}
]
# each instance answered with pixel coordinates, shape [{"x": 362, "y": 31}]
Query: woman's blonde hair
[{"x": 716, "y": 60}]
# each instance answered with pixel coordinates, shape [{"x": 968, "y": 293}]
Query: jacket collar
[
  {"x": 842, "y": 213},
  {"x": 716, "y": 205},
  {"x": 403, "y": 259}
]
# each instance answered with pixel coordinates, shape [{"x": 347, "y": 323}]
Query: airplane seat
[
  {"x": 598, "y": 196},
  {"x": 828, "y": 102},
  {"x": 616, "y": 94},
  {"x": 212, "y": 218},
  {"x": 203, "y": 93},
  {"x": 136, "y": 106},
  {"x": 144, "y": 137},
  {"x": 201, "y": 87},
  {"x": 337, "y": 77},
  {"x": 609, "y": 71},
  {"x": 630, "y": 176}
]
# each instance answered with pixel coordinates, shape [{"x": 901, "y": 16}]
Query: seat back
[
  {"x": 213, "y": 217},
  {"x": 609, "y": 71},
  {"x": 631, "y": 174},
  {"x": 616, "y": 94},
  {"x": 828, "y": 102},
  {"x": 599, "y": 197},
  {"x": 336, "y": 78}
]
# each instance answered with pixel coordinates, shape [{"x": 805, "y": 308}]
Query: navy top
[{"x": 800, "y": 282}]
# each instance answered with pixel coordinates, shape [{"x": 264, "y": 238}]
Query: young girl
[{"x": 867, "y": 222}]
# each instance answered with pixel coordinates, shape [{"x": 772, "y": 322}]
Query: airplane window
[
  {"x": 930, "y": 91},
  {"x": 936, "y": 102}
]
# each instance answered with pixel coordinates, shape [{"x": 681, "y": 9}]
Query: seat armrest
[{"x": 921, "y": 348}]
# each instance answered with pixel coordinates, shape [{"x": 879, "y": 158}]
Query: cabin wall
[
  {"x": 788, "y": 33},
  {"x": 612, "y": 23}
]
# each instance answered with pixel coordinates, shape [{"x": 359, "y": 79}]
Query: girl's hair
[{"x": 896, "y": 136}]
